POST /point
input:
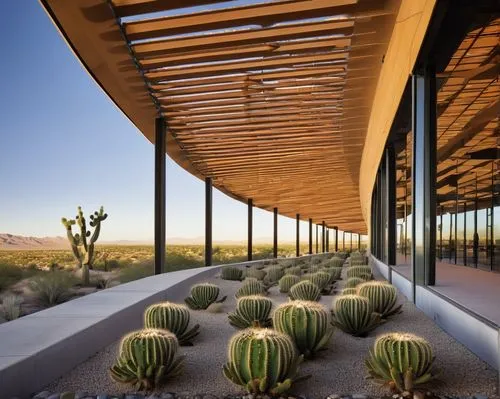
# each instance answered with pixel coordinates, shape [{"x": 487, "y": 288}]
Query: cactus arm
[
  {"x": 83, "y": 228},
  {"x": 68, "y": 224}
]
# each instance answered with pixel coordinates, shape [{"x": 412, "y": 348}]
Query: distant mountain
[{"x": 11, "y": 241}]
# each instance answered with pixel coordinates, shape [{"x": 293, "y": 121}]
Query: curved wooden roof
[{"x": 270, "y": 99}]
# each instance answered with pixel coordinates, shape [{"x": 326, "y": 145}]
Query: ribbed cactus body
[
  {"x": 305, "y": 291},
  {"x": 250, "y": 310},
  {"x": 359, "y": 271},
  {"x": 353, "y": 282},
  {"x": 349, "y": 291},
  {"x": 255, "y": 273},
  {"x": 294, "y": 270},
  {"x": 335, "y": 273},
  {"x": 273, "y": 275},
  {"x": 287, "y": 281},
  {"x": 262, "y": 361},
  {"x": 251, "y": 286},
  {"x": 335, "y": 262},
  {"x": 202, "y": 296},
  {"x": 307, "y": 323},
  {"x": 354, "y": 315},
  {"x": 321, "y": 279},
  {"x": 382, "y": 296},
  {"x": 402, "y": 360},
  {"x": 231, "y": 273},
  {"x": 172, "y": 317},
  {"x": 146, "y": 358}
]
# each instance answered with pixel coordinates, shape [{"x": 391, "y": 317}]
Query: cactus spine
[
  {"x": 359, "y": 271},
  {"x": 287, "y": 281},
  {"x": 255, "y": 273},
  {"x": 83, "y": 249},
  {"x": 335, "y": 262},
  {"x": 250, "y": 310},
  {"x": 382, "y": 296},
  {"x": 231, "y": 273},
  {"x": 146, "y": 358},
  {"x": 306, "y": 323},
  {"x": 294, "y": 270},
  {"x": 251, "y": 286},
  {"x": 335, "y": 272},
  {"x": 262, "y": 360},
  {"x": 321, "y": 279},
  {"x": 402, "y": 360},
  {"x": 274, "y": 273},
  {"x": 354, "y": 315},
  {"x": 353, "y": 282},
  {"x": 305, "y": 291},
  {"x": 349, "y": 291},
  {"x": 172, "y": 317},
  {"x": 203, "y": 295}
]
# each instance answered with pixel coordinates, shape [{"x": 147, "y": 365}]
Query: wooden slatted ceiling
[
  {"x": 471, "y": 88},
  {"x": 270, "y": 98}
]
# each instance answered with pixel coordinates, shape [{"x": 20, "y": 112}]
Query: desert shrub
[
  {"x": 52, "y": 288},
  {"x": 137, "y": 271},
  {"x": 9, "y": 275},
  {"x": 11, "y": 307}
]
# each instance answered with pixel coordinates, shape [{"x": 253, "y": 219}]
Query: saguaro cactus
[{"x": 82, "y": 244}]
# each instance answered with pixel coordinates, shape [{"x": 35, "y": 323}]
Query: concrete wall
[
  {"x": 480, "y": 337},
  {"x": 38, "y": 348}
]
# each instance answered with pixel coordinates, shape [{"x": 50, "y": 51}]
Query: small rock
[
  {"x": 134, "y": 396},
  {"x": 101, "y": 396},
  {"x": 480, "y": 397},
  {"x": 167, "y": 395},
  {"x": 81, "y": 395},
  {"x": 54, "y": 396},
  {"x": 418, "y": 395},
  {"x": 153, "y": 397},
  {"x": 333, "y": 396},
  {"x": 42, "y": 395},
  {"x": 406, "y": 394},
  {"x": 359, "y": 396},
  {"x": 67, "y": 395}
]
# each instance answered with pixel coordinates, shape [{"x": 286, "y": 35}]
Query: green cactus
[
  {"x": 251, "y": 310},
  {"x": 335, "y": 272},
  {"x": 172, "y": 317},
  {"x": 315, "y": 268},
  {"x": 255, "y": 273},
  {"x": 359, "y": 271},
  {"x": 335, "y": 262},
  {"x": 203, "y": 295},
  {"x": 274, "y": 273},
  {"x": 306, "y": 323},
  {"x": 294, "y": 270},
  {"x": 321, "y": 279},
  {"x": 231, "y": 273},
  {"x": 146, "y": 358},
  {"x": 353, "y": 282},
  {"x": 81, "y": 245},
  {"x": 287, "y": 281},
  {"x": 251, "y": 286},
  {"x": 305, "y": 291},
  {"x": 354, "y": 315},
  {"x": 402, "y": 361},
  {"x": 349, "y": 291},
  {"x": 262, "y": 361},
  {"x": 382, "y": 296}
]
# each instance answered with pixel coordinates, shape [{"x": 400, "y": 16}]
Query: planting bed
[{"x": 336, "y": 370}]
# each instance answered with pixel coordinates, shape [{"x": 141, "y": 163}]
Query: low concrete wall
[
  {"x": 481, "y": 337},
  {"x": 38, "y": 348}
]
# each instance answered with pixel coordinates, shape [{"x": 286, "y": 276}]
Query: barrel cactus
[
  {"x": 382, "y": 296},
  {"x": 335, "y": 262},
  {"x": 354, "y": 315},
  {"x": 262, "y": 360},
  {"x": 251, "y": 310},
  {"x": 305, "y": 291},
  {"x": 251, "y": 286},
  {"x": 335, "y": 272},
  {"x": 231, "y": 273},
  {"x": 274, "y": 273},
  {"x": 306, "y": 323},
  {"x": 349, "y": 291},
  {"x": 358, "y": 271},
  {"x": 255, "y": 273},
  {"x": 353, "y": 282},
  {"x": 315, "y": 268},
  {"x": 203, "y": 295},
  {"x": 294, "y": 270},
  {"x": 172, "y": 317},
  {"x": 321, "y": 279},
  {"x": 287, "y": 281},
  {"x": 401, "y": 360},
  {"x": 146, "y": 358}
]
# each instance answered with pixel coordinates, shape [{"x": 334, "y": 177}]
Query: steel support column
[
  {"x": 297, "y": 235},
  {"x": 359, "y": 242},
  {"x": 390, "y": 210},
  {"x": 343, "y": 240},
  {"x": 250, "y": 229},
  {"x": 275, "y": 232},
  {"x": 336, "y": 239},
  {"x": 327, "y": 240},
  {"x": 424, "y": 178},
  {"x": 208, "y": 221},
  {"x": 310, "y": 236},
  {"x": 317, "y": 242},
  {"x": 323, "y": 237},
  {"x": 160, "y": 194},
  {"x": 440, "y": 232}
]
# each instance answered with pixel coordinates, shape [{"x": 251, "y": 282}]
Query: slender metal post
[
  {"x": 456, "y": 229},
  {"x": 327, "y": 240},
  {"x": 424, "y": 178},
  {"x": 160, "y": 194},
  {"x": 323, "y": 237},
  {"x": 317, "y": 242},
  {"x": 310, "y": 236},
  {"x": 208, "y": 221},
  {"x": 336, "y": 239},
  {"x": 440, "y": 232},
  {"x": 275, "y": 233},
  {"x": 297, "y": 235},
  {"x": 465, "y": 232},
  {"x": 351, "y": 240},
  {"x": 359, "y": 242},
  {"x": 492, "y": 218},
  {"x": 449, "y": 238},
  {"x": 343, "y": 240},
  {"x": 406, "y": 202},
  {"x": 475, "y": 244},
  {"x": 250, "y": 229},
  {"x": 390, "y": 210}
]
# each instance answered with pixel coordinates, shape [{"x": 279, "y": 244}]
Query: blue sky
[{"x": 63, "y": 144}]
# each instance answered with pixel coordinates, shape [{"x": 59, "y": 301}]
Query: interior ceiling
[
  {"x": 468, "y": 109},
  {"x": 271, "y": 98}
]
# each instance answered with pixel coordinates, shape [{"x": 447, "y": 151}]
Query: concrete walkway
[{"x": 474, "y": 289}]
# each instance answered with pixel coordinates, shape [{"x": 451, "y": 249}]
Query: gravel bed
[{"x": 339, "y": 369}]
